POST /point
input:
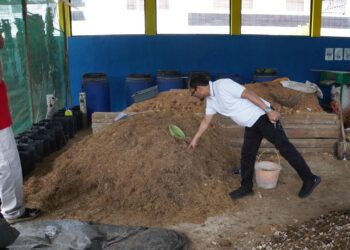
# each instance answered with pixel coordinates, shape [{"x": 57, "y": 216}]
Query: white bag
[{"x": 307, "y": 87}]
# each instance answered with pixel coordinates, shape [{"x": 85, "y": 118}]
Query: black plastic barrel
[
  {"x": 38, "y": 146},
  {"x": 49, "y": 135},
  {"x": 96, "y": 87},
  {"x": 45, "y": 141},
  {"x": 27, "y": 158},
  {"x": 68, "y": 123},
  {"x": 169, "y": 79},
  {"x": 135, "y": 83},
  {"x": 78, "y": 117}
]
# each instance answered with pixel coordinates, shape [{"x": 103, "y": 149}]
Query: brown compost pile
[{"x": 134, "y": 172}]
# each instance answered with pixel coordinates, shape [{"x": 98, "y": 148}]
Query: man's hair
[{"x": 198, "y": 79}]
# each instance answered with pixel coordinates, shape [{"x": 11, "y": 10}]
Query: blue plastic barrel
[
  {"x": 233, "y": 76},
  {"x": 169, "y": 79},
  {"x": 193, "y": 73},
  {"x": 135, "y": 83},
  {"x": 264, "y": 78},
  {"x": 96, "y": 87}
]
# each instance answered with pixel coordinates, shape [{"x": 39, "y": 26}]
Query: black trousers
[{"x": 253, "y": 136}]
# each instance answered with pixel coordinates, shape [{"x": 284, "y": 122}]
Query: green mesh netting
[{"x": 36, "y": 67}]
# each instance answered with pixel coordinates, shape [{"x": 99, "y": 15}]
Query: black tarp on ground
[
  {"x": 84, "y": 235},
  {"x": 8, "y": 234}
]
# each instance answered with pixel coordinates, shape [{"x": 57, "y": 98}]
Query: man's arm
[
  {"x": 202, "y": 127},
  {"x": 251, "y": 96}
]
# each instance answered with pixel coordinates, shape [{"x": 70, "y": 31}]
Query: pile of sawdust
[
  {"x": 283, "y": 99},
  {"x": 286, "y": 101},
  {"x": 134, "y": 172},
  {"x": 179, "y": 100}
]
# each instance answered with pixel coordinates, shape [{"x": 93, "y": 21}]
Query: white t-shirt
[{"x": 225, "y": 98}]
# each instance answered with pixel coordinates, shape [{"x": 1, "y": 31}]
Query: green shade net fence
[{"x": 34, "y": 67}]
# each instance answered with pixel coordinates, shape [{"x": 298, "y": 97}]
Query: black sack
[{"x": 8, "y": 234}]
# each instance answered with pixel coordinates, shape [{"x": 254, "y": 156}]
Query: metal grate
[
  {"x": 78, "y": 16},
  {"x": 78, "y": 3},
  {"x": 334, "y": 6},
  {"x": 204, "y": 19}
]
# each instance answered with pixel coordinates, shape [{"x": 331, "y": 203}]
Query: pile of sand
[
  {"x": 282, "y": 99},
  {"x": 134, "y": 172}
]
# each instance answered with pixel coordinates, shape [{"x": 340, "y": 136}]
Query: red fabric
[{"x": 5, "y": 116}]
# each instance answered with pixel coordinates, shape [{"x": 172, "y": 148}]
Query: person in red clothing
[{"x": 11, "y": 180}]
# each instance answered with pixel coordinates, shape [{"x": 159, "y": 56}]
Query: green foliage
[{"x": 34, "y": 66}]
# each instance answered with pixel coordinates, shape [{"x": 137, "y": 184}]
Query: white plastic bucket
[{"x": 266, "y": 174}]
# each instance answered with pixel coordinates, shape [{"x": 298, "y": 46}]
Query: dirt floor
[
  {"x": 271, "y": 211},
  {"x": 134, "y": 173},
  {"x": 244, "y": 224}
]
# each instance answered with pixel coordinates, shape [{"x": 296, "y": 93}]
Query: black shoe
[
  {"x": 240, "y": 193},
  {"x": 236, "y": 170},
  {"x": 309, "y": 186},
  {"x": 29, "y": 214}
]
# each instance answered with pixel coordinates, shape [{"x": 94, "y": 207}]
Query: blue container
[
  {"x": 168, "y": 80},
  {"x": 96, "y": 87},
  {"x": 264, "y": 78},
  {"x": 193, "y": 73},
  {"x": 135, "y": 83},
  {"x": 234, "y": 77}
]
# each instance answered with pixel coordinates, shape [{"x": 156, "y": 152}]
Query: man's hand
[
  {"x": 193, "y": 144},
  {"x": 202, "y": 127},
  {"x": 274, "y": 116}
]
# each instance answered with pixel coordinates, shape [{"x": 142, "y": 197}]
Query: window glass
[
  {"x": 193, "y": 16},
  {"x": 106, "y": 17},
  {"x": 276, "y": 17},
  {"x": 335, "y": 18}
]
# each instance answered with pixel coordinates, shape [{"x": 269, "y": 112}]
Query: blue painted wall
[{"x": 118, "y": 56}]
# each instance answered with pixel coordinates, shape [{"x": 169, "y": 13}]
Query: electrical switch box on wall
[
  {"x": 328, "y": 54},
  {"x": 346, "y": 54},
  {"x": 338, "y": 54}
]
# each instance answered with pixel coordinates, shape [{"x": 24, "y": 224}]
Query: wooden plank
[
  {"x": 102, "y": 120},
  {"x": 227, "y": 123},
  {"x": 301, "y": 150},
  {"x": 298, "y": 143},
  {"x": 292, "y": 120},
  {"x": 312, "y": 131},
  {"x": 298, "y": 131},
  {"x": 100, "y": 125},
  {"x": 316, "y": 118},
  {"x": 104, "y": 115}
]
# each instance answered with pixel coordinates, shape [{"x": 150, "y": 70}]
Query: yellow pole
[
  {"x": 64, "y": 17},
  {"x": 150, "y": 17},
  {"x": 316, "y": 14},
  {"x": 235, "y": 25}
]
